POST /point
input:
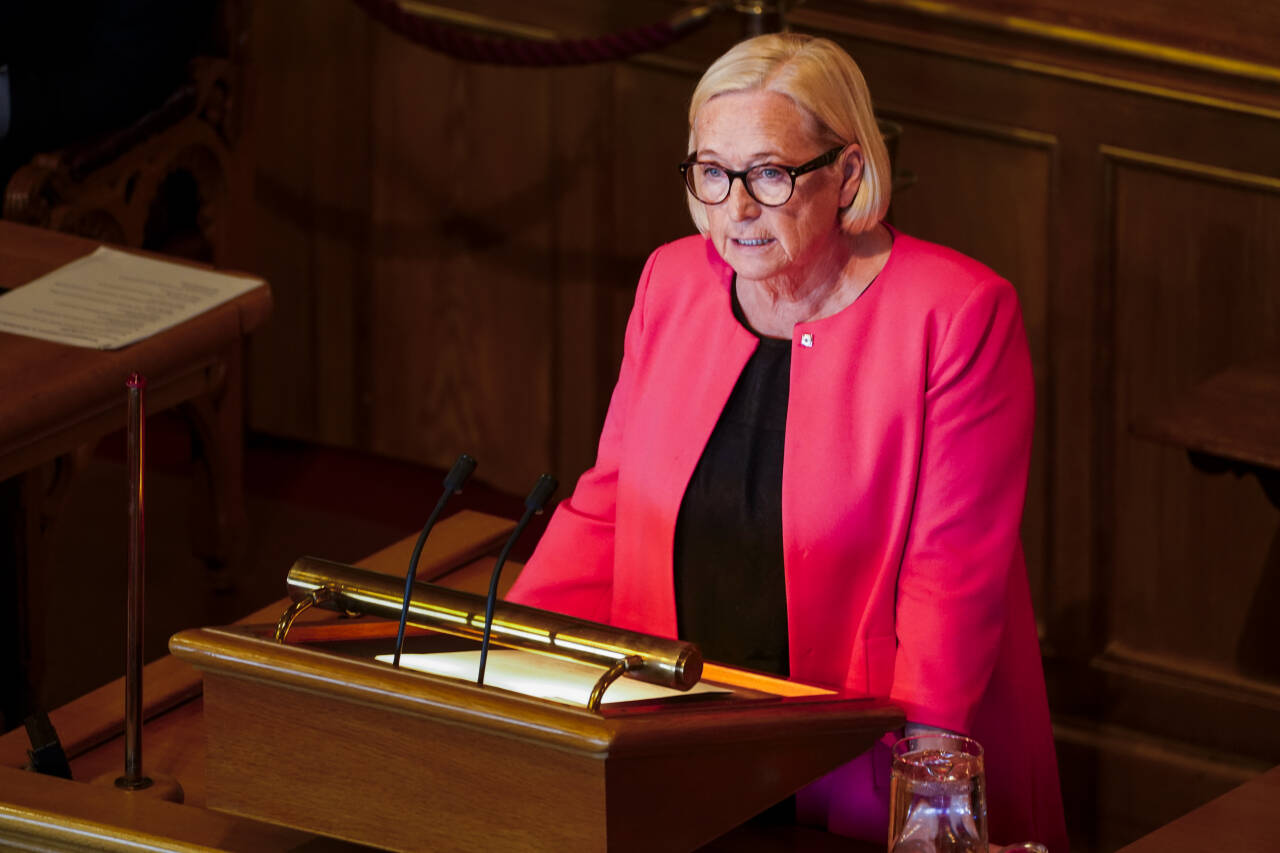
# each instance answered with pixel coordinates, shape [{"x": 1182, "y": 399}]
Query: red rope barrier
[{"x": 462, "y": 45}]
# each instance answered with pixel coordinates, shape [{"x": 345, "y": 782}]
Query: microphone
[
  {"x": 533, "y": 505},
  {"x": 453, "y": 481}
]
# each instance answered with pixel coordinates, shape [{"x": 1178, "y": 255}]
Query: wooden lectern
[
  {"x": 350, "y": 748},
  {"x": 314, "y": 734}
]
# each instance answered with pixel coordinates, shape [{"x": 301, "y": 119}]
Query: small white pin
[{"x": 806, "y": 340}]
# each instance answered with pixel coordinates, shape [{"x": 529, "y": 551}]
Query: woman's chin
[{"x": 755, "y": 262}]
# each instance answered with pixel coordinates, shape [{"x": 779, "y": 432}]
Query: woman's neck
[{"x": 828, "y": 286}]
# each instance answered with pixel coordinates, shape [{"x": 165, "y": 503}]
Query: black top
[{"x": 731, "y": 597}]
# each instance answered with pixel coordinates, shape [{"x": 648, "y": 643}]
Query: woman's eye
[
  {"x": 770, "y": 173},
  {"x": 709, "y": 171}
]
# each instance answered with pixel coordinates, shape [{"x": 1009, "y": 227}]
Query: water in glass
[{"x": 937, "y": 796}]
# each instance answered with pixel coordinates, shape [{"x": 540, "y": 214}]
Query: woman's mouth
[{"x": 754, "y": 241}]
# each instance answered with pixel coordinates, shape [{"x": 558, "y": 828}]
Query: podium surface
[{"x": 410, "y": 761}]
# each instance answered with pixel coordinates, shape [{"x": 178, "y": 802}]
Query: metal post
[
  {"x": 133, "y": 777},
  {"x": 762, "y": 16}
]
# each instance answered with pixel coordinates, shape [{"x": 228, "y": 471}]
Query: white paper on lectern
[
  {"x": 110, "y": 299},
  {"x": 541, "y": 676}
]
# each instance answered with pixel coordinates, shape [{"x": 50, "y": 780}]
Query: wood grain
[
  {"x": 44, "y": 813},
  {"x": 424, "y": 785},
  {"x": 311, "y": 140},
  {"x": 1231, "y": 415},
  {"x": 434, "y": 760},
  {"x": 995, "y": 168},
  {"x": 1191, "y": 301},
  {"x": 462, "y": 258},
  {"x": 1242, "y": 819}
]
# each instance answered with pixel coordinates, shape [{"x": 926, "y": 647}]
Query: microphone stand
[
  {"x": 542, "y": 491},
  {"x": 453, "y": 481}
]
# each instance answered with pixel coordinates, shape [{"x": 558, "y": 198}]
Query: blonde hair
[{"x": 821, "y": 78}]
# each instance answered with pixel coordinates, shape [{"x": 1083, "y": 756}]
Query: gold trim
[
  {"x": 1119, "y": 740},
  {"x": 999, "y": 132},
  {"x": 1084, "y": 38},
  {"x": 1175, "y": 166},
  {"x": 848, "y": 28},
  {"x": 1165, "y": 92},
  {"x": 662, "y": 62},
  {"x": 1119, "y": 659},
  {"x": 342, "y": 588},
  {"x": 480, "y": 23}
]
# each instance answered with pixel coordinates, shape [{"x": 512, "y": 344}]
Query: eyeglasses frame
[{"x": 824, "y": 159}]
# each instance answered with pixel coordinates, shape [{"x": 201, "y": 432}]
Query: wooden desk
[
  {"x": 1232, "y": 415},
  {"x": 458, "y": 554},
  {"x": 1228, "y": 422},
  {"x": 1240, "y": 821},
  {"x": 57, "y": 401}
]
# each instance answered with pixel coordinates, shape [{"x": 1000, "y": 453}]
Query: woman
[{"x": 815, "y": 458}]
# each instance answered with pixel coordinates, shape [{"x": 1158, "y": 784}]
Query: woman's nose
[{"x": 741, "y": 204}]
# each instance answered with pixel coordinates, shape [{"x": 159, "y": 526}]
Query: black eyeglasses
[{"x": 769, "y": 183}]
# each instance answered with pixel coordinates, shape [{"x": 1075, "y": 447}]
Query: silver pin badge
[{"x": 806, "y": 340}]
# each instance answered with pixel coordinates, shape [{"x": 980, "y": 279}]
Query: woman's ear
[{"x": 851, "y": 163}]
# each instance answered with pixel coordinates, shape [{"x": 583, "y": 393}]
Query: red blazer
[{"x": 905, "y": 466}]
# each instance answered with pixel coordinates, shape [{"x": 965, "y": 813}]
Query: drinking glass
[{"x": 937, "y": 795}]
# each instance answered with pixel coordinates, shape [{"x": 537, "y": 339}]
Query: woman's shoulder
[
  {"x": 688, "y": 256},
  {"x": 920, "y": 270},
  {"x": 950, "y": 297},
  {"x": 686, "y": 269}
]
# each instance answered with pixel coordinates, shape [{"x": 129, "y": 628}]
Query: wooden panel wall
[
  {"x": 309, "y": 79},
  {"x": 993, "y": 168},
  {"x": 454, "y": 246},
  {"x": 454, "y": 250},
  {"x": 1240, "y": 29}
]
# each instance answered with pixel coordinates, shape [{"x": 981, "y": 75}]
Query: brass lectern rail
[{"x": 313, "y": 582}]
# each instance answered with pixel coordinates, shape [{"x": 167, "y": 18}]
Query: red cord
[{"x": 461, "y": 45}]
